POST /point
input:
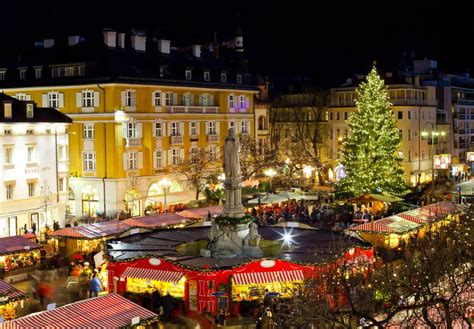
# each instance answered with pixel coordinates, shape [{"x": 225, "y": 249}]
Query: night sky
[{"x": 328, "y": 42}]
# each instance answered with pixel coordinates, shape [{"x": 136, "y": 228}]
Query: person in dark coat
[
  {"x": 168, "y": 304},
  {"x": 156, "y": 300}
]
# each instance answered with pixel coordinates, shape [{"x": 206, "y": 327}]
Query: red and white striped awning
[
  {"x": 268, "y": 277},
  {"x": 110, "y": 311},
  {"x": 157, "y": 275}
]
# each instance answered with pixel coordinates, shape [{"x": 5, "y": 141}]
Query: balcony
[
  {"x": 130, "y": 142},
  {"x": 212, "y": 138},
  {"x": 174, "y": 140},
  {"x": 194, "y": 109},
  {"x": 412, "y": 101}
]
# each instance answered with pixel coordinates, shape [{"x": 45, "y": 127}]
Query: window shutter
[
  {"x": 125, "y": 161},
  {"x": 155, "y": 165},
  {"x": 134, "y": 98},
  {"x": 175, "y": 99},
  {"x": 247, "y": 102},
  {"x": 139, "y": 130},
  {"x": 181, "y": 155},
  {"x": 191, "y": 99},
  {"x": 61, "y": 100},
  {"x": 96, "y": 99},
  {"x": 169, "y": 157},
  {"x": 153, "y": 93},
  {"x": 211, "y": 100},
  {"x": 79, "y": 99},
  {"x": 45, "y": 99},
  {"x": 218, "y": 131},
  {"x": 248, "y": 126},
  {"x": 122, "y": 97},
  {"x": 228, "y": 100},
  {"x": 181, "y": 128},
  {"x": 207, "y": 127},
  {"x": 124, "y": 129},
  {"x": 140, "y": 160},
  {"x": 168, "y": 125},
  {"x": 164, "y": 159},
  {"x": 153, "y": 129},
  {"x": 198, "y": 126}
]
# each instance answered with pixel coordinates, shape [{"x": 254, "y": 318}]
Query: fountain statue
[{"x": 233, "y": 233}]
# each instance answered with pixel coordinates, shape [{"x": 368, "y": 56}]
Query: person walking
[{"x": 95, "y": 286}]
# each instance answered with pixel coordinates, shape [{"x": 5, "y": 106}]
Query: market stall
[
  {"x": 110, "y": 311},
  {"x": 87, "y": 239},
  {"x": 165, "y": 220},
  {"x": 200, "y": 213},
  {"x": 10, "y": 299},
  {"x": 18, "y": 257}
]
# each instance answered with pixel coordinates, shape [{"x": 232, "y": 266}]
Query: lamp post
[
  {"x": 270, "y": 173},
  {"x": 433, "y": 134},
  {"x": 165, "y": 184}
]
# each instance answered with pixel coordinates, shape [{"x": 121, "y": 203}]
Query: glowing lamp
[
  {"x": 307, "y": 170},
  {"x": 121, "y": 116}
]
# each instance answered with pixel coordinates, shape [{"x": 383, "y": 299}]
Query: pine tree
[{"x": 370, "y": 155}]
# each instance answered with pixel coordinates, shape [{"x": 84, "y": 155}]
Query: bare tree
[
  {"x": 254, "y": 158},
  {"x": 430, "y": 285},
  {"x": 297, "y": 129},
  {"x": 198, "y": 169}
]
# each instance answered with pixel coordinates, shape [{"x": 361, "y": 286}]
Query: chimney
[
  {"x": 197, "y": 50},
  {"x": 121, "y": 40},
  {"x": 48, "y": 43},
  {"x": 110, "y": 38},
  {"x": 164, "y": 46},
  {"x": 73, "y": 40},
  {"x": 138, "y": 41}
]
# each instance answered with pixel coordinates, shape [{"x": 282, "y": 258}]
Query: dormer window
[
  {"x": 207, "y": 75},
  {"x": 7, "y": 107},
  {"x": 162, "y": 71},
  {"x": 223, "y": 77},
  {"x": 239, "y": 78},
  {"x": 189, "y": 75},
  {"x": 3, "y": 75},
  {"x": 38, "y": 72},
  {"x": 22, "y": 73},
  {"x": 29, "y": 111}
]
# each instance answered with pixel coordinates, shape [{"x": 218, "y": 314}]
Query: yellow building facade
[{"x": 125, "y": 138}]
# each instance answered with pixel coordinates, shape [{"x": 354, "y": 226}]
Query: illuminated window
[
  {"x": 9, "y": 190},
  {"x": 8, "y": 110},
  {"x": 158, "y": 129},
  {"x": 8, "y": 155},
  {"x": 29, "y": 111},
  {"x": 31, "y": 189},
  {"x": 188, "y": 75},
  {"x": 157, "y": 98},
  {"x": 132, "y": 160},
  {"x": 30, "y": 154},
  {"x": 88, "y": 161},
  {"x": 159, "y": 159},
  {"x": 169, "y": 99},
  {"x": 193, "y": 128},
  {"x": 88, "y": 131},
  {"x": 231, "y": 101},
  {"x": 175, "y": 157}
]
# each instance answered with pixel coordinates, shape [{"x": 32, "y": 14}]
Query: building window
[
  {"x": 239, "y": 78},
  {"x": 62, "y": 152},
  {"x": 205, "y": 100},
  {"x": 207, "y": 75},
  {"x": 88, "y": 161},
  {"x": 81, "y": 70},
  {"x": 242, "y": 102},
  {"x": 175, "y": 129},
  {"x": 193, "y": 128},
  {"x": 337, "y": 115},
  {"x": 409, "y": 134},
  {"x": 88, "y": 98},
  {"x": 38, "y": 73},
  {"x": 132, "y": 160},
  {"x": 345, "y": 115},
  {"x": 9, "y": 191},
  {"x": 212, "y": 128},
  {"x": 223, "y": 77},
  {"x": 187, "y": 98},
  {"x": 53, "y": 99},
  {"x": 212, "y": 153},
  {"x": 129, "y": 98},
  {"x": 262, "y": 123},
  {"x": 29, "y": 111},
  {"x": 61, "y": 183},
  {"x": 169, "y": 99},
  {"x": 400, "y": 115},
  {"x": 157, "y": 98},
  {"x": 23, "y": 97},
  {"x": 409, "y": 156},
  {"x": 175, "y": 157},
  {"x": 88, "y": 131},
  {"x": 162, "y": 71},
  {"x": 159, "y": 159},
  {"x": 231, "y": 101},
  {"x": 400, "y": 134},
  {"x": 194, "y": 155},
  {"x": 31, "y": 189},
  {"x": 8, "y": 155},
  {"x": 30, "y": 154},
  {"x": 8, "y": 110},
  {"x": 189, "y": 75},
  {"x": 243, "y": 127},
  {"x": 409, "y": 114},
  {"x": 22, "y": 74},
  {"x": 56, "y": 72},
  {"x": 3, "y": 75},
  {"x": 131, "y": 130},
  {"x": 158, "y": 129},
  {"x": 330, "y": 116}
]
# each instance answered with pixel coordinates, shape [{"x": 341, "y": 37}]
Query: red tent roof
[
  {"x": 9, "y": 292},
  {"x": 16, "y": 243},
  {"x": 110, "y": 311},
  {"x": 156, "y": 221},
  {"x": 201, "y": 212},
  {"x": 92, "y": 231}
]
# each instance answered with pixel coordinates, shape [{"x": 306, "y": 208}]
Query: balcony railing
[
  {"x": 133, "y": 142},
  {"x": 411, "y": 101},
  {"x": 193, "y": 109},
  {"x": 212, "y": 138},
  {"x": 176, "y": 140}
]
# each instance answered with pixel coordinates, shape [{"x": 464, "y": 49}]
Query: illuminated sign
[
  {"x": 470, "y": 156},
  {"x": 442, "y": 161}
]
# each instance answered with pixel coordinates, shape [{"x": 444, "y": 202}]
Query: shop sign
[
  {"x": 154, "y": 261},
  {"x": 267, "y": 263},
  {"x": 442, "y": 161}
]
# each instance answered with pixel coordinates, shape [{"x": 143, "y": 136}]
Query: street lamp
[
  {"x": 270, "y": 173},
  {"x": 165, "y": 184}
]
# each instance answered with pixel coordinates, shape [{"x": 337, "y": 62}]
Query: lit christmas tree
[{"x": 370, "y": 156}]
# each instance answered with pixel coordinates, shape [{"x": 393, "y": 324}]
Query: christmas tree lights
[{"x": 370, "y": 155}]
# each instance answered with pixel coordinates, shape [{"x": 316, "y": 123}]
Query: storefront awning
[
  {"x": 268, "y": 277},
  {"x": 9, "y": 293},
  {"x": 157, "y": 275}
]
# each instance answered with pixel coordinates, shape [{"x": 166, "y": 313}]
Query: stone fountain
[{"x": 233, "y": 233}]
